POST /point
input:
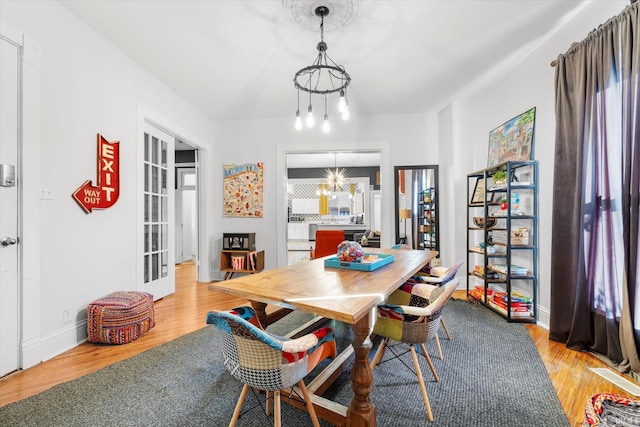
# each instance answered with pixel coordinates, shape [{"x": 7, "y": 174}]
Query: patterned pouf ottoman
[
  {"x": 120, "y": 317},
  {"x": 605, "y": 409}
]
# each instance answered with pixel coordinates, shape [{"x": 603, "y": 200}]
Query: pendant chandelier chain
[{"x": 323, "y": 77}]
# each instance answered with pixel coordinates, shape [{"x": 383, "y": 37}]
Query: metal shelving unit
[
  {"x": 428, "y": 224},
  {"x": 502, "y": 248}
]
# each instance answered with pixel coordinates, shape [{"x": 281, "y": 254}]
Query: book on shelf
[
  {"x": 503, "y": 268},
  {"x": 518, "y": 309},
  {"x": 514, "y": 313},
  {"x": 503, "y": 214},
  {"x": 252, "y": 259},
  {"x": 515, "y": 297}
]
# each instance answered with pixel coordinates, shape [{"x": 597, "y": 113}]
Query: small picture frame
[{"x": 478, "y": 192}]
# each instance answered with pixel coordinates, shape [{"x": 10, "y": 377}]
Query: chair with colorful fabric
[
  {"x": 267, "y": 362},
  {"x": 413, "y": 324},
  {"x": 438, "y": 275},
  {"x": 435, "y": 276}
]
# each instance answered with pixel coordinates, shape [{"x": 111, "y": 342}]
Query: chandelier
[
  {"x": 323, "y": 77},
  {"x": 335, "y": 178}
]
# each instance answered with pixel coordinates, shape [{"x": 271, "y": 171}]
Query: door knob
[{"x": 8, "y": 241}]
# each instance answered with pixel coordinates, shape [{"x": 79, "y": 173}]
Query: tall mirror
[{"x": 416, "y": 195}]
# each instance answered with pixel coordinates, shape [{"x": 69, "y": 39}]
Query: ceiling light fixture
[
  {"x": 336, "y": 178},
  {"x": 323, "y": 77}
]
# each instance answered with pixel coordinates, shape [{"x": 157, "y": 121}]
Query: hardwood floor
[{"x": 185, "y": 311}]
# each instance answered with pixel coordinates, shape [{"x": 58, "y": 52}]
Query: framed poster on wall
[
  {"x": 243, "y": 190},
  {"x": 513, "y": 140}
]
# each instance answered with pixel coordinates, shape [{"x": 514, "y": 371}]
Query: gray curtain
[{"x": 595, "y": 285}]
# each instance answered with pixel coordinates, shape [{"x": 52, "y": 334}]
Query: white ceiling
[{"x": 236, "y": 59}]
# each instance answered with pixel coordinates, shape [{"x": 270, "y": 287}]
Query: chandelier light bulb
[
  {"x": 310, "y": 121},
  {"x": 345, "y": 113},
  {"x": 326, "y": 127},
  {"x": 298, "y": 124},
  {"x": 342, "y": 103}
]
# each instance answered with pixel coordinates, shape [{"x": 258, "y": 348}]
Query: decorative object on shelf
[
  {"x": 513, "y": 140},
  {"x": 500, "y": 178},
  {"x": 350, "y": 252},
  {"x": 237, "y": 262},
  {"x": 239, "y": 241},
  {"x": 479, "y": 221},
  {"x": 323, "y": 77},
  {"x": 515, "y": 201},
  {"x": 478, "y": 192},
  {"x": 488, "y": 247},
  {"x": 404, "y": 215},
  {"x": 504, "y": 204},
  {"x": 243, "y": 190}
]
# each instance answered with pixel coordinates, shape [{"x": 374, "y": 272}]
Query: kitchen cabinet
[{"x": 298, "y": 231}]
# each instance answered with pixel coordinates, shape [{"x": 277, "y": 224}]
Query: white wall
[
  {"x": 87, "y": 87},
  {"x": 529, "y": 84},
  {"x": 411, "y": 140}
]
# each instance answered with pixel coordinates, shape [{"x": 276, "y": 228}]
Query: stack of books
[
  {"x": 478, "y": 292},
  {"x": 516, "y": 270},
  {"x": 479, "y": 271},
  {"x": 521, "y": 305}
]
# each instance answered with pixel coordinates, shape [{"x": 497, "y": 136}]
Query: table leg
[
  {"x": 261, "y": 311},
  {"x": 361, "y": 411},
  {"x": 266, "y": 319}
]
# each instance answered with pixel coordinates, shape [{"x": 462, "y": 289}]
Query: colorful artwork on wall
[
  {"x": 243, "y": 190},
  {"x": 513, "y": 140}
]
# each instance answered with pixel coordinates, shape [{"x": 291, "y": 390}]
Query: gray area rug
[{"x": 491, "y": 375}]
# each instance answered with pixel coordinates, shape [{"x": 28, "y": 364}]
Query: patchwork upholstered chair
[
  {"x": 267, "y": 362},
  {"x": 438, "y": 275},
  {"x": 435, "y": 276},
  {"x": 413, "y": 324}
]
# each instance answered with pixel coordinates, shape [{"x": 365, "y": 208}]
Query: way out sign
[{"x": 105, "y": 193}]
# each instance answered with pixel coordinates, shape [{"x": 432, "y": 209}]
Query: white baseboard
[
  {"x": 42, "y": 348},
  {"x": 544, "y": 317}
]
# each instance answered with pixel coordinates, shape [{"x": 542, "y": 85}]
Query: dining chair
[
  {"x": 267, "y": 362},
  {"x": 440, "y": 274},
  {"x": 432, "y": 275},
  {"x": 413, "y": 324},
  {"x": 327, "y": 242}
]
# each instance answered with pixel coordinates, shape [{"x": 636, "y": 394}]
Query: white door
[
  {"x": 179, "y": 227},
  {"x": 186, "y": 214},
  {"x": 9, "y": 253},
  {"x": 159, "y": 213}
]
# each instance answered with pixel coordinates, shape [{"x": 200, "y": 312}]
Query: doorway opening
[
  {"x": 186, "y": 203},
  {"x": 288, "y": 154}
]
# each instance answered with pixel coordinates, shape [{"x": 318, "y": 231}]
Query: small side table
[{"x": 253, "y": 262}]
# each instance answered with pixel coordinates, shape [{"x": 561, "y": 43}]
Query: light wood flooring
[{"x": 185, "y": 311}]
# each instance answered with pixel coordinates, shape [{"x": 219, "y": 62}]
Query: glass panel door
[{"x": 159, "y": 275}]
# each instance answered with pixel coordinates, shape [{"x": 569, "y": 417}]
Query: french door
[{"x": 159, "y": 213}]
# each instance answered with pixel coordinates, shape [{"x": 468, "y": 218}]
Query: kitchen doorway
[{"x": 383, "y": 180}]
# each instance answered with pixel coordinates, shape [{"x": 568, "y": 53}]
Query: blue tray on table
[{"x": 383, "y": 259}]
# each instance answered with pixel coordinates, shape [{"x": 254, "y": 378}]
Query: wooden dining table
[{"x": 345, "y": 295}]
